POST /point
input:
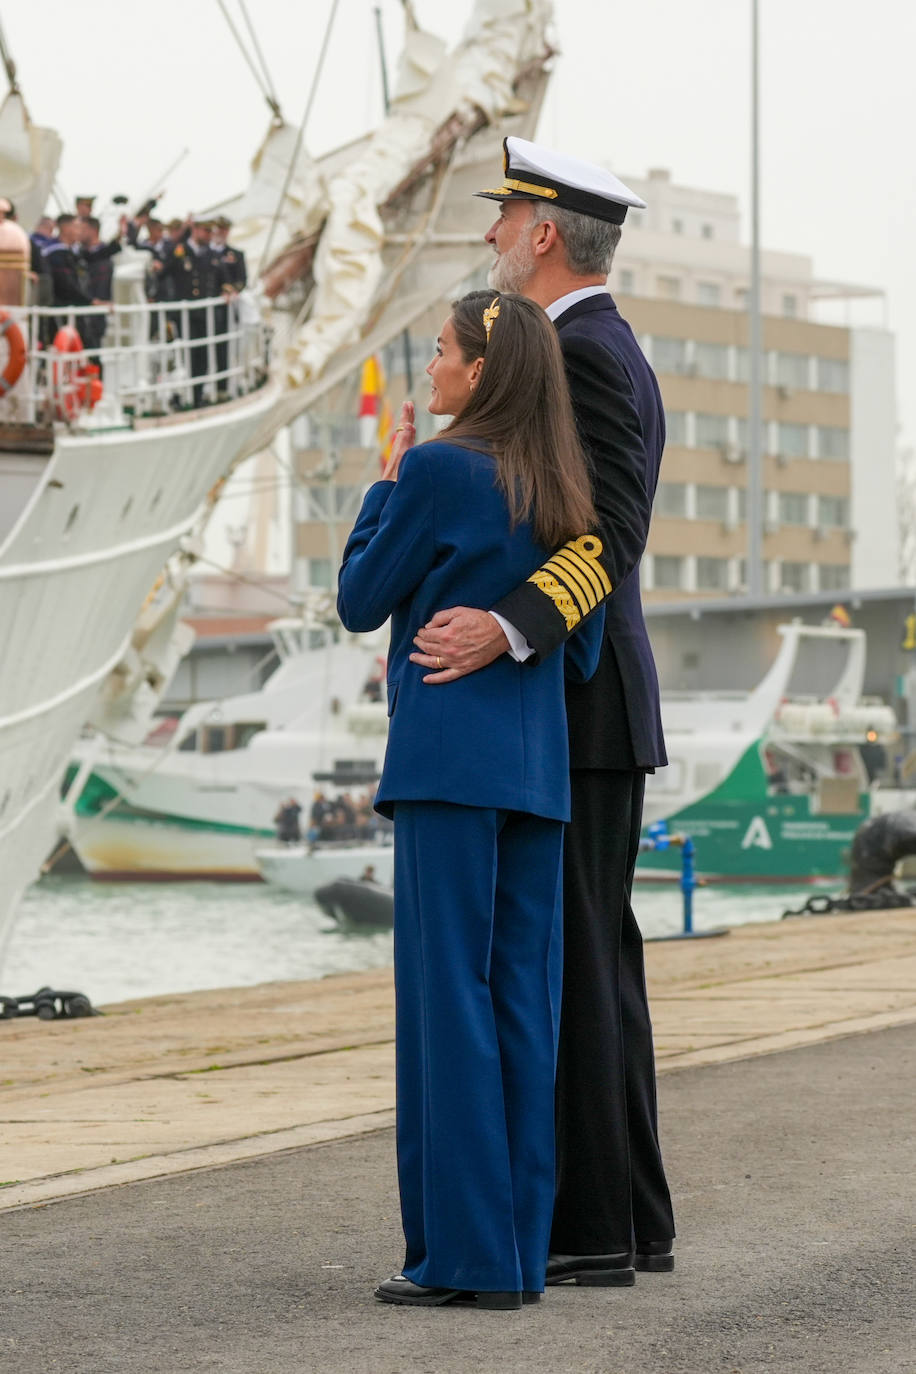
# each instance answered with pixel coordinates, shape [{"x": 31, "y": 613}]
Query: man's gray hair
[{"x": 589, "y": 243}]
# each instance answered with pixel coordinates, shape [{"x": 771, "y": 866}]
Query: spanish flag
[
  {"x": 376, "y": 419},
  {"x": 840, "y": 616}
]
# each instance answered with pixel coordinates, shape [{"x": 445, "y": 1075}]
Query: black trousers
[{"x": 611, "y": 1188}]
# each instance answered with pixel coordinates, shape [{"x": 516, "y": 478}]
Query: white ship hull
[{"x": 104, "y": 513}]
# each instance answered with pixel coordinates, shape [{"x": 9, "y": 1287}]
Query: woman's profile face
[{"x": 453, "y": 379}]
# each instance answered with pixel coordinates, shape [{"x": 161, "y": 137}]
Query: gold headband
[{"x": 489, "y": 315}]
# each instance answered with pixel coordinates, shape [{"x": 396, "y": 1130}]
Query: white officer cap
[{"x": 531, "y": 172}]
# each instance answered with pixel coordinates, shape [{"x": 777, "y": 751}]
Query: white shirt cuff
[{"x": 519, "y": 648}]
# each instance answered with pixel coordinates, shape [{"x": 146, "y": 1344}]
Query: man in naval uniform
[
  {"x": 235, "y": 279},
  {"x": 195, "y": 275},
  {"x": 554, "y": 241}
]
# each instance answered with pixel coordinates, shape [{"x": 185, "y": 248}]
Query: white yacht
[{"x": 200, "y": 803}]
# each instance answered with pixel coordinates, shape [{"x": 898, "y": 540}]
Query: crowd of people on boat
[
  {"x": 342, "y": 817},
  {"x": 72, "y": 264},
  {"x": 189, "y": 259}
]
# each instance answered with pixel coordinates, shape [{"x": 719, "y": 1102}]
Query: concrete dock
[{"x": 787, "y": 1130}]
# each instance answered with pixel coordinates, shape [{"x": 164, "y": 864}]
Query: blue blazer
[{"x": 441, "y": 536}]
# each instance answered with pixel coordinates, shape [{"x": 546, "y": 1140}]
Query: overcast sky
[{"x": 646, "y": 83}]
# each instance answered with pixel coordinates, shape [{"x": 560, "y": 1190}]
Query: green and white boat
[{"x": 771, "y": 787}]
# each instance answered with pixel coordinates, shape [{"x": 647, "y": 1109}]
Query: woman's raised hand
[{"x": 405, "y": 436}]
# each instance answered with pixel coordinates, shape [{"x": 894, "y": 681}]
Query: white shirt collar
[{"x": 556, "y": 308}]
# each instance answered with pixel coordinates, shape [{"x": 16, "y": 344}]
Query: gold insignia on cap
[
  {"x": 574, "y": 579},
  {"x": 527, "y": 187}
]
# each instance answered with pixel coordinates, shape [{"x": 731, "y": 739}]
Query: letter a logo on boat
[{"x": 757, "y": 834}]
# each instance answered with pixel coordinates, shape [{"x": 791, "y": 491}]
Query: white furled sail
[{"x": 29, "y": 157}]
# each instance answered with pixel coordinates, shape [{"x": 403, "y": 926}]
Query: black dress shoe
[
  {"x": 654, "y": 1256},
  {"x": 399, "y": 1289},
  {"x": 592, "y": 1271},
  {"x": 402, "y": 1290}
]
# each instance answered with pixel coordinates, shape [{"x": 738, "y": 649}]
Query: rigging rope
[
  {"x": 265, "y": 256},
  {"x": 268, "y": 96},
  {"x": 275, "y": 103},
  {"x": 9, "y": 64}
]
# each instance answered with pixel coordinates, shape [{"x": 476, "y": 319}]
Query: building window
[
  {"x": 712, "y": 431},
  {"x": 741, "y": 297},
  {"x": 708, "y": 293},
  {"x": 626, "y": 282},
  {"x": 668, "y": 571},
  {"x": 711, "y": 360},
  {"x": 712, "y": 504},
  {"x": 833, "y": 511},
  {"x": 832, "y": 442},
  {"x": 675, "y": 427},
  {"x": 669, "y": 288},
  {"x": 792, "y": 440},
  {"x": 834, "y": 577},
  {"x": 742, "y": 504},
  {"x": 338, "y": 502},
  {"x": 634, "y": 219},
  {"x": 793, "y": 508},
  {"x": 833, "y": 375},
  {"x": 677, "y": 226},
  {"x": 790, "y": 306},
  {"x": 669, "y": 355},
  {"x": 793, "y": 577},
  {"x": 671, "y": 499},
  {"x": 712, "y": 574},
  {"x": 792, "y": 370},
  {"x": 706, "y": 231},
  {"x": 320, "y": 572}
]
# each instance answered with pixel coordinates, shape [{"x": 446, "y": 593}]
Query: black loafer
[
  {"x": 654, "y": 1256},
  {"x": 402, "y": 1290},
  {"x": 592, "y": 1271}
]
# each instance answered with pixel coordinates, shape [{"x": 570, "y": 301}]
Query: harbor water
[{"x": 116, "y": 941}]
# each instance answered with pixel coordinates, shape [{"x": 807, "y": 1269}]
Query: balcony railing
[{"x": 103, "y": 367}]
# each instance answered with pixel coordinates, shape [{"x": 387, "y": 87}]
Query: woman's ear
[{"x": 474, "y": 375}]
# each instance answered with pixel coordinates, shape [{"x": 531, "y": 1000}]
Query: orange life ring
[
  {"x": 67, "y": 340},
  {"x": 18, "y": 352},
  {"x": 65, "y": 379}
]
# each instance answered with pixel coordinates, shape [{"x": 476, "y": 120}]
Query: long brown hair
[{"x": 521, "y": 411}]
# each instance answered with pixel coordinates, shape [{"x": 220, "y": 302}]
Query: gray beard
[{"x": 512, "y": 271}]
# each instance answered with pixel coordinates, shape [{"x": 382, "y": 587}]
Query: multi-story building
[{"x": 681, "y": 278}]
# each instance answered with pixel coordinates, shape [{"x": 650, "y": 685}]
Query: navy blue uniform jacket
[
  {"x": 440, "y": 536},
  {"x": 614, "y": 719}
]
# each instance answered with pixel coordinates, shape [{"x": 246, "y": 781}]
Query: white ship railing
[{"x": 143, "y": 365}]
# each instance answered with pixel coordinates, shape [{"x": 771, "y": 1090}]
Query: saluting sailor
[
  {"x": 477, "y": 781},
  {"x": 559, "y": 224}
]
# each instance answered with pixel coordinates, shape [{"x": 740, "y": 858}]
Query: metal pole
[
  {"x": 688, "y": 883},
  {"x": 755, "y": 492}
]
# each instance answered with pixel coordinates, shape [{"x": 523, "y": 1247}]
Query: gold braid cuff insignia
[{"x": 574, "y": 579}]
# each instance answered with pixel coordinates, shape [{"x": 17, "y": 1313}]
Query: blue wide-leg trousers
[{"x": 478, "y": 978}]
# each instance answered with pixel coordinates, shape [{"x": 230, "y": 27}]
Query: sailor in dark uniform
[
  {"x": 69, "y": 286},
  {"x": 555, "y": 237},
  {"x": 477, "y": 781},
  {"x": 196, "y": 275},
  {"x": 235, "y": 279},
  {"x": 97, "y": 260}
]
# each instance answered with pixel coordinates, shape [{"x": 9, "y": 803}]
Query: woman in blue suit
[{"x": 476, "y": 780}]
